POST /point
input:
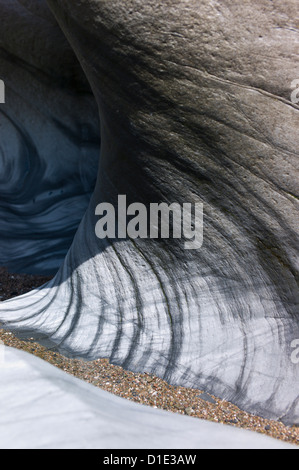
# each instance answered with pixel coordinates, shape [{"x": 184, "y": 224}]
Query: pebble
[{"x": 208, "y": 398}]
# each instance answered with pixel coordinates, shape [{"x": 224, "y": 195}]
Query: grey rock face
[
  {"x": 49, "y": 144},
  {"x": 46, "y": 408},
  {"x": 194, "y": 102},
  {"x": 207, "y": 397}
]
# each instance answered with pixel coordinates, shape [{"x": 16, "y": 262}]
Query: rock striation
[{"x": 195, "y": 105}]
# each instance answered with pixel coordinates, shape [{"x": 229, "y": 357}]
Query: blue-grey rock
[
  {"x": 208, "y": 398},
  {"x": 49, "y": 140},
  {"x": 45, "y": 408},
  {"x": 195, "y": 105}
]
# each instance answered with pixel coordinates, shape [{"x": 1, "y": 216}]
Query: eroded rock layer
[
  {"x": 194, "y": 103},
  {"x": 45, "y": 408},
  {"x": 49, "y": 141}
]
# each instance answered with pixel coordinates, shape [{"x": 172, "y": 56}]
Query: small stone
[
  {"x": 208, "y": 398},
  {"x": 267, "y": 428},
  {"x": 189, "y": 411}
]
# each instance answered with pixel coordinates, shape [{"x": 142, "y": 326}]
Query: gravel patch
[{"x": 146, "y": 389}]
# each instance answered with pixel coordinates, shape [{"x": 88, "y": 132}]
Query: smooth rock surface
[
  {"x": 45, "y": 408},
  {"x": 49, "y": 140},
  {"x": 194, "y": 103}
]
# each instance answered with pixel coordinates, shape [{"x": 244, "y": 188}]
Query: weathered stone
[
  {"x": 195, "y": 105},
  {"x": 49, "y": 140}
]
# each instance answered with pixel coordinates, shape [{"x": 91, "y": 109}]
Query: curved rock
[
  {"x": 35, "y": 393},
  {"x": 194, "y": 102},
  {"x": 49, "y": 145}
]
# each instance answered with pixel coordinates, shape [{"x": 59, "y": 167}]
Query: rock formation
[
  {"x": 49, "y": 140},
  {"x": 195, "y": 106},
  {"x": 46, "y": 408}
]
